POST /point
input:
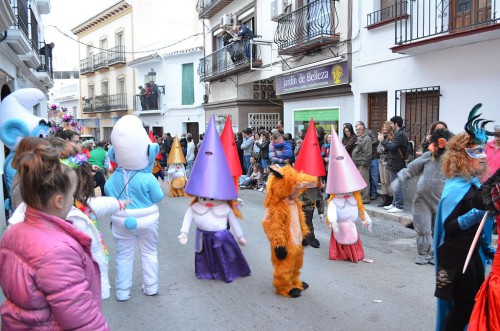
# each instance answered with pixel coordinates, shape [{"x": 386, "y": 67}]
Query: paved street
[
  {"x": 341, "y": 295},
  {"x": 392, "y": 293}
]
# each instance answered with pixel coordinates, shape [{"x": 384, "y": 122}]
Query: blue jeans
[
  {"x": 264, "y": 163},
  {"x": 244, "y": 180},
  {"x": 374, "y": 177},
  {"x": 246, "y": 161},
  {"x": 398, "y": 200}
]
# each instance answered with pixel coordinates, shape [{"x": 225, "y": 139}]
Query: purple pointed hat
[
  {"x": 343, "y": 176},
  {"x": 210, "y": 176}
]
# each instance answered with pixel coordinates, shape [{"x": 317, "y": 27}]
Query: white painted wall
[{"x": 466, "y": 74}]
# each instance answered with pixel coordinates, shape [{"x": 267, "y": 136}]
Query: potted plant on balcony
[{"x": 102, "y": 102}]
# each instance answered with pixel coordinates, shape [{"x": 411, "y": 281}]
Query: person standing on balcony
[
  {"x": 154, "y": 95},
  {"x": 47, "y": 60},
  {"x": 246, "y": 35},
  {"x": 147, "y": 96},
  {"x": 227, "y": 41},
  {"x": 142, "y": 97}
]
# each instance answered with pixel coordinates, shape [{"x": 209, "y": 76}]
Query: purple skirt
[{"x": 218, "y": 256}]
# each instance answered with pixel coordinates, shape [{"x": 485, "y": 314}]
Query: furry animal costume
[{"x": 285, "y": 227}]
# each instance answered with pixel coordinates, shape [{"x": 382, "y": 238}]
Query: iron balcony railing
[
  {"x": 387, "y": 14},
  {"x": 86, "y": 66},
  {"x": 100, "y": 60},
  {"x": 116, "y": 55},
  {"x": 21, "y": 16},
  {"x": 316, "y": 20},
  {"x": 228, "y": 59},
  {"x": 103, "y": 103},
  {"x": 33, "y": 31},
  {"x": 143, "y": 103},
  {"x": 431, "y": 18},
  {"x": 45, "y": 54}
]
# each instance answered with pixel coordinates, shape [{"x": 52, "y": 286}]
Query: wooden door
[
  {"x": 377, "y": 110},
  {"x": 192, "y": 127}
]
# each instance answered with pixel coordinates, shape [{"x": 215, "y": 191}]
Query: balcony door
[
  {"x": 466, "y": 13},
  {"x": 319, "y": 20}
]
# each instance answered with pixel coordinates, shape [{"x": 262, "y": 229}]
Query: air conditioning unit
[
  {"x": 225, "y": 20},
  {"x": 278, "y": 8}
]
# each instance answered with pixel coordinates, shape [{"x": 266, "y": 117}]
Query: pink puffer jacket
[{"x": 48, "y": 277}]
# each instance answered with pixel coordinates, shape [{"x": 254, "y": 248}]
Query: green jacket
[{"x": 313, "y": 198}]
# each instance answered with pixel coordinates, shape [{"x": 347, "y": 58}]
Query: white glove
[
  {"x": 242, "y": 241},
  {"x": 368, "y": 222},
  {"x": 241, "y": 203},
  {"x": 334, "y": 226},
  {"x": 321, "y": 217},
  {"x": 183, "y": 238}
]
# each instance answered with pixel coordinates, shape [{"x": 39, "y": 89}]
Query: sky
[{"x": 67, "y": 14}]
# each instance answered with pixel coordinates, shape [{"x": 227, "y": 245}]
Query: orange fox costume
[{"x": 285, "y": 227}]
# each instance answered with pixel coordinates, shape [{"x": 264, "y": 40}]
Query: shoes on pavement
[
  {"x": 366, "y": 202},
  {"x": 305, "y": 242},
  {"x": 395, "y": 210},
  {"x": 389, "y": 207},
  {"x": 122, "y": 295},
  {"x": 314, "y": 243},
  {"x": 148, "y": 292},
  {"x": 261, "y": 189},
  {"x": 373, "y": 197}
]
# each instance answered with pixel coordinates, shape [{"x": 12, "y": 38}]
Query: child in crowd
[
  {"x": 56, "y": 283},
  {"x": 265, "y": 175},
  {"x": 158, "y": 170},
  {"x": 256, "y": 177}
]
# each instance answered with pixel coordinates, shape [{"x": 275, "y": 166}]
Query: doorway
[
  {"x": 193, "y": 128},
  {"x": 377, "y": 110}
]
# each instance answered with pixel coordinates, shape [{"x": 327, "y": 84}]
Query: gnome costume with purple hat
[
  {"x": 217, "y": 253},
  {"x": 345, "y": 205}
]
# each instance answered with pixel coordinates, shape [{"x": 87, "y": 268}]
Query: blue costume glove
[
  {"x": 487, "y": 249},
  {"x": 470, "y": 218}
]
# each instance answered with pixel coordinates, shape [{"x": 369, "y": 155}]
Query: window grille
[
  {"x": 263, "y": 89},
  {"x": 267, "y": 120},
  {"x": 419, "y": 108}
]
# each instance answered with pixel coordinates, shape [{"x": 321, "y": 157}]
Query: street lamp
[{"x": 151, "y": 77}]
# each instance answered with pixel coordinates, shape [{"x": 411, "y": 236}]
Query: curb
[{"x": 404, "y": 218}]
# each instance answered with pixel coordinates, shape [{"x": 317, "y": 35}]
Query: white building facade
[
  {"x": 66, "y": 92},
  {"x": 106, "y": 82},
  {"x": 425, "y": 61}
]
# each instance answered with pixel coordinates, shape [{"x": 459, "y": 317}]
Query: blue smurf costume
[
  {"x": 17, "y": 121},
  {"x": 138, "y": 224}
]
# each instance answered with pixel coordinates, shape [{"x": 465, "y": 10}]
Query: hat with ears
[
  {"x": 153, "y": 140},
  {"x": 343, "y": 176},
  {"x": 176, "y": 155},
  {"x": 309, "y": 159},
  {"x": 210, "y": 176},
  {"x": 229, "y": 146}
]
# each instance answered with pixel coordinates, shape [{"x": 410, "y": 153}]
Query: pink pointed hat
[
  {"x": 210, "y": 176},
  {"x": 343, "y": 176}
]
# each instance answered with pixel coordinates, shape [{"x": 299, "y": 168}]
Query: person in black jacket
[
  {"x": 395, "y": 160},
  {"x": 263, "y": 144}
]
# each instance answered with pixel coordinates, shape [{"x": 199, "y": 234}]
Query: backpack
[{"x": 409, "y": 153}]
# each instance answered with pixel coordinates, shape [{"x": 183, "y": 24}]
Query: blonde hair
[{"x": 390, "y": 131}]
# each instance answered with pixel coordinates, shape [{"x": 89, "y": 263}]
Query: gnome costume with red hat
[
  {"x": 217, "y": 253},
  {"x": 345, "y": 205},
  {"x": 310, "y": 162}
]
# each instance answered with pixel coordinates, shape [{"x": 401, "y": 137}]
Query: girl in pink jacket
[{"x": 49, "y": 279}]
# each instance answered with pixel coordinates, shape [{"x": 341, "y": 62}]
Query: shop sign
[{"x": 315, "y": 78}]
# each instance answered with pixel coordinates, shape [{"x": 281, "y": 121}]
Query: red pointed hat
[
  {"x": 229, "y": 146},
  {"x": 309, "y": 159},
  {"x": 153, "y": 140}
]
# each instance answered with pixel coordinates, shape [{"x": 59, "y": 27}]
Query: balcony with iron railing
[
  {"x": 116, "y": 55},
  {"x": 229, "y": 60},
  {"x": 438, "y": 24},
  {"x": 45, "y": 72},
  {"x": 100, "y": 60},
  {"x": 105, "y": 103},
  {"x": 145, "y": 103},
  {"x": 18, "y": 36},
  {"x": 86, "y": 66},
  {"x": 208, "y": 8},
  {"x": 386, "y": 15},
  {"x": 33, "y": 31},
  {"x": 308, "y": 28}
]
